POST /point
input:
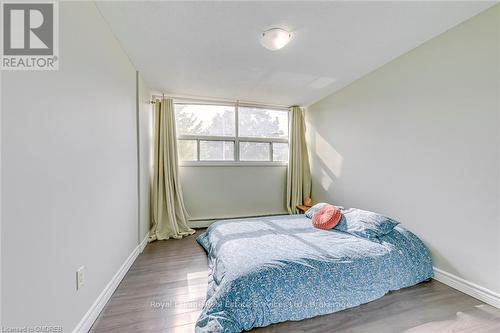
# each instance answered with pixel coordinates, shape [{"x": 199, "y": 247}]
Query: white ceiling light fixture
[{"x": 275, "y": 38}]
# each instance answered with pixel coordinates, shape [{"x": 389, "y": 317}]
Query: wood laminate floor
[{"x": 165, "y": 289}]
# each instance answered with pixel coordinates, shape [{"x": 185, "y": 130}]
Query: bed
[{"x": 278, "y": 268}]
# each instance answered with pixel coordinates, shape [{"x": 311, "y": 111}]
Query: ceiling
[{"x": 211, "y": 49}]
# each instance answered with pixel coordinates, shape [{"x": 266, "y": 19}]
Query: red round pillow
[{"x": 327, "y": 217}]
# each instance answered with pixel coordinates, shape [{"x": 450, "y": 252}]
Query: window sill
[{"x": 232, "y": 164}]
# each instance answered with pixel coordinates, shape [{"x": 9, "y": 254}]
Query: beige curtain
[
  {"x": 168, "y": 214},
  {"x": 298, "y": 181}
]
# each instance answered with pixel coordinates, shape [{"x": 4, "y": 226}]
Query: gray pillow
[{"x": 365, "y": 224}]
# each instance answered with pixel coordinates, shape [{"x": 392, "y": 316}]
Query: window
[{"x": 209, "y": 133}]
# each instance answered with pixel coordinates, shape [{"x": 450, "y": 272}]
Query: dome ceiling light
[{"x": 275, "y": 38}]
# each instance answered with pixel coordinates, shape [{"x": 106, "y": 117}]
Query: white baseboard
[
  {"x": 144, "y": 242},
  {"x": 90, "y": 317},
  {"x": 483, "y": 294}
]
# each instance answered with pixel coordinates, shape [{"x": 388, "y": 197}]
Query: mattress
[{"x": 278, "y": 268}]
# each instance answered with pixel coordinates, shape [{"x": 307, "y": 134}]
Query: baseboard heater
[{"x": 205, "y": 222}]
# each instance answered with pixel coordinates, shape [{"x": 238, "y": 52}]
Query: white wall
[
  {"x": 418, "y": 140},
  {"x": 69, "y": 174},
  {"x": 233, "y": 191},
  {"x": 145, "y": 121}
]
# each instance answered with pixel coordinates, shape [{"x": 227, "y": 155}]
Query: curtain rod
[{"x": 215, "y": 100}]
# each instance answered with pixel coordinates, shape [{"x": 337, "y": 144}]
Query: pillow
[
  {"x": 365, "y": 224},
  {"x": 327, "y": 217},
  {"x": 310, "y": 212}
]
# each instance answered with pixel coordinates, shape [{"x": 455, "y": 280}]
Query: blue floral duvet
[{"x": 277, "y": 268}]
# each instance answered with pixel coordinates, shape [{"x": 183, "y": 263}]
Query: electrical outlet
[{"x": 80, "y": 277}]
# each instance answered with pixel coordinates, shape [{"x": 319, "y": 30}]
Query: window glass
[
  {"x": 187, "y": 150},
  {"x": 262, "y": 123},
  {"x": 254, "y": 151},
  {"x": 205, "y": 120},
  {"x": 216, "y": 151},
  {"x": 280, "y": 152}
]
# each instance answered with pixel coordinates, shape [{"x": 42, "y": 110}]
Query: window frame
[{"x": 235, "y": 139}]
